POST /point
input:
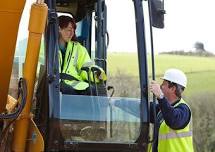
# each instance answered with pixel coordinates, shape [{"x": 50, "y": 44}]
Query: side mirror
[{"x": 157, "y": 13}]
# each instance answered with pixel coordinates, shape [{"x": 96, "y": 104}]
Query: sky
[
  {"x": 23, "y": 26},
  {"x": 186, "y": 22}
]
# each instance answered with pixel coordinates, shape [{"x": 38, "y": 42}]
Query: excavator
[{"x": 42, "y": 118}]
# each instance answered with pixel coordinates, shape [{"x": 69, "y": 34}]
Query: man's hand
[{"x": 156, "y": 90}]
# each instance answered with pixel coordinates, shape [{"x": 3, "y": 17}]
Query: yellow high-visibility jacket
[{"x": 76, "y": 57}]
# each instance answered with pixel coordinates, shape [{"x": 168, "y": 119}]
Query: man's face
[
  {"x": 166, "y": 90},
  {"x": 67, "y": 33}
]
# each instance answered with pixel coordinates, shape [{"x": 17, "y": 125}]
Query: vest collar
[{"x": 177, "y": 101}]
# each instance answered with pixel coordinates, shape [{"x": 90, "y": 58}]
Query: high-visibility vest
[
  {"x": 171, "y": 140},
  {"x": 76, "y": 57}
]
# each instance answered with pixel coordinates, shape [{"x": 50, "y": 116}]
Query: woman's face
[{"x": 67, "y": 33}]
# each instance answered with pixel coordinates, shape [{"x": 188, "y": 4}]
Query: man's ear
[{"x": 173, "y": 88}]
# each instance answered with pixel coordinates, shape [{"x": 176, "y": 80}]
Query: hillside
[{"x": 199, "y": 70}]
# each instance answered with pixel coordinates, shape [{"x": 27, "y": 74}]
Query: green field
[{"x": 199, "y": 70}]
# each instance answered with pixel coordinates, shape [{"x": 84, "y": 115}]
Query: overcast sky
[{"x": 186, "y": 22}]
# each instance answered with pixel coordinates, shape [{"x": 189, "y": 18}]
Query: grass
[
  {"x": 199, "y": 70},
  {"x": 189, "y": 64},
  {"x": 126, "y": 62},
  {"x": 200, "y": 82}
]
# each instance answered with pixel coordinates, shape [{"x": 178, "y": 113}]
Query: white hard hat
[{"x": 176, "y": 76}]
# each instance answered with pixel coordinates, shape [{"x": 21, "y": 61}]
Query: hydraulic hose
[{"x": 22, "y": 91}]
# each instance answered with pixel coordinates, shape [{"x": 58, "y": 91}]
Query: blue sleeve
[{"x": 175, "y": 117}]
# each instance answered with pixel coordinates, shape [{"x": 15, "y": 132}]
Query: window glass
[
  {"x": 122, "y": 62},
  {"x": 116, "y": 117},
  {"x": 104, "y": 119}
]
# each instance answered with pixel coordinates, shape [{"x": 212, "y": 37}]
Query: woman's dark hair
[{"x": 64, "y": 21}]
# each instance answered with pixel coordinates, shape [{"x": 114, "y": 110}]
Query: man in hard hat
[{"x": 174, "y": 115}]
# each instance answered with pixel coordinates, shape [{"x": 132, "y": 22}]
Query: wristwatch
[{"x": 161, "y": 96}]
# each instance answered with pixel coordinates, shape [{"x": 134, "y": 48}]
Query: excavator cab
[
  {"x": 109, "y": 121},
  {"x": 77, "y": 122}
]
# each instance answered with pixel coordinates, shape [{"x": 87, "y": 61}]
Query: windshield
[
  {"x": 99, "y": 119},
  {"x": 116, "y": 118}
]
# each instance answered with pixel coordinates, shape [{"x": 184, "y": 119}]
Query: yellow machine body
[{"x": 26, "y": 136}]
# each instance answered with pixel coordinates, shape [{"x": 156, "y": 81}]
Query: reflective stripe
[
  {"x": 60, "y": 61},
  {"x": 88, "y": 64},
  {"x": 75, "y": 59},
  {"x": 75, "y": 62},
  {"x": 171, "y": 135},
  {"x": 74, "y": 83},
  {"x": 79, "y": 85}
]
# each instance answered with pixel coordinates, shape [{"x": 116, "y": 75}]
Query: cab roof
[{"x": 77, "y": 8}]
